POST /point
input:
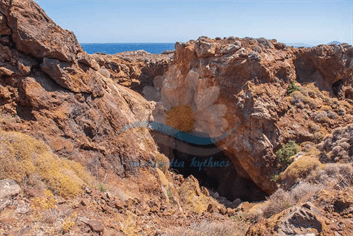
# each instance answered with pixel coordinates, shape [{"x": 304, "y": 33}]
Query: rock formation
[
  {"x": 61, "y": 95},
  {"x": 247, "y": 81},
  {"x": 64, "y": 165},
  {"x": 60, "y": 111}
]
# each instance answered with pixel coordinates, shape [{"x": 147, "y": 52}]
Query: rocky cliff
[
  {"x": 276, "y": 94},
  {"x": 281, "y": 117},
  {"x": 54, "y": 91},
  {"x": 69, "y": 170}
]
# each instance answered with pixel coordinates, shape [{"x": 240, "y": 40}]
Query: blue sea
[{"x": 112, "y": 48}]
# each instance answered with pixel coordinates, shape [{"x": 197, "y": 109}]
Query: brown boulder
[
  {"x": 72, "y": 77},
  {"x": 8, "y": 188},
  {"x": 35, "y": 34}
]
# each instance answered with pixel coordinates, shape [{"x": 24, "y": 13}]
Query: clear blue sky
[{"x": 114, "y": 21}]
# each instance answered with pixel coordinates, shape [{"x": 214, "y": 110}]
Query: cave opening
[
  {"x": 211, "y": 167},
  {"x": 336, "y": 87}
]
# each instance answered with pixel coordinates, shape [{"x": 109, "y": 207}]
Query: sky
[{"x": 155, "y": 21}]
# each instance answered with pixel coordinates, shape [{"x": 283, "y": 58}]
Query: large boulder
[{"x": 35, "y": 34}]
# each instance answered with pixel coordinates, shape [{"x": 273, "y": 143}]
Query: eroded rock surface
[
  {"x": 62, "y": 96},
  {"x": 247, "y": 81}
]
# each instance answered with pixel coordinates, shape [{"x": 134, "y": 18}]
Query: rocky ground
[{"x": 65, "y": 170}]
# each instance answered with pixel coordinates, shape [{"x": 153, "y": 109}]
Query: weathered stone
[
  {"x": 35, "y": 34},
  {"x": 205, "y": 49},
  {"x": 71, "y": 102},
  {"x": 96, "y": 226},
  {"x": 85, "y": 202},
  {"x": 4, "y": 30},
  {"x": 9, "y": 188}
]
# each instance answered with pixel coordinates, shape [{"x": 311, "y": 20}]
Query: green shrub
[
  {"x": 102, "y": 187},
  {"x": 274, "y": 178},
  {"x": 292, "y": 88},
  {"x": 286, "y": 151}
]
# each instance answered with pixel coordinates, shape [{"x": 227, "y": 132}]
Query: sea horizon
[
  {"x": 154, "y": 48},
  {"x": 113, "y": 48}
]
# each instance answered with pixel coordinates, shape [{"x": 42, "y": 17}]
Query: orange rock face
[
  {"x": 246, "y": 81},
  {"x": 62, "y": 96}
]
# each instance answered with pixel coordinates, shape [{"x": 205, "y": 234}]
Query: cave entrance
[
  {"x": 336, "y": 87},
  {"x": 211, "y": 167}
]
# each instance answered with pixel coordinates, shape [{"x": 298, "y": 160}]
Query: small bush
[
  {"x": 40, "y": 204},
  {"x": 292, "y": 88},
  {"x": 300, "y": 169},
  {"x": 297, "y": 98},
  {"x": 333, "y": 174},
  {"x": 205, "y": 228},
  {"x": 286, "y": 151},
  {"x": 69, "y": 222},
  {"x": 278, "y": 202},
  {"x": 304, "y": 191},
  {"x": 321, "y": 117},
  {"x": 102, "y": 187},
  {"x": 50, "y": 216},
  {"x": 274, "y": 178}
]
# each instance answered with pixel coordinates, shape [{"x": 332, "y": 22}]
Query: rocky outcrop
[
  {"x": 135, "y": 69},
  {"x": 329, "y": 214},
  {"x": 62, "y": 96},
  {"x": 35, "y": 34},
  {"x": 330, "y": 67},
  {"x": 231, "y": 81}
]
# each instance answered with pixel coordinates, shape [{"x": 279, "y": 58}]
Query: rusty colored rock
[{"x": 35, "y": 34}]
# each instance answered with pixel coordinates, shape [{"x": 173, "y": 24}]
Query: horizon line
[{"x": 134, "y": 42}]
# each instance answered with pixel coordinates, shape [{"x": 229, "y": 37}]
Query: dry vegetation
[
  {"x": 227, "y": 228},
  {"x": 32, "y": 163}
]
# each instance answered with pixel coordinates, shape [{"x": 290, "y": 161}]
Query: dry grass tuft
[
  {"x": 279, "y": 201},
  {"x": 25, "y": 158},
  {"x": 301, "y": 168},
  {"x": 228, "y": 228}
]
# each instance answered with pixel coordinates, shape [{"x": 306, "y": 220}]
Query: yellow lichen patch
[
  {"x": 23, "y": 156},
  {"x": 181, "y": 117}
]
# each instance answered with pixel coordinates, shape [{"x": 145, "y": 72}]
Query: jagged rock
[
  {"x": 4, "y": 30},
  {"x": 70, "y": 76},
  {"x": 226, "y": 85},
  {"x": 96, "y": 226},
  {"x": 210, "y": 208},
  {"x": 85, "y": 202},
  {"x": 35, "y": 34},
  {"x": 205, "y": 49},
  {"x": 22, "y": 209},
  {"x": 61, "y": 97},
  {"x": 9, "y": 188}
]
